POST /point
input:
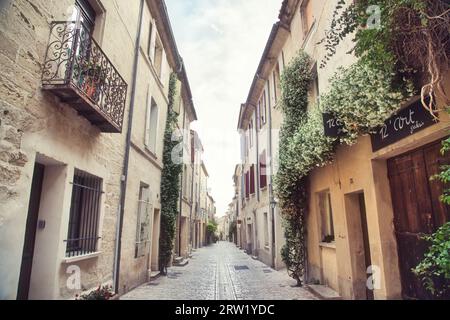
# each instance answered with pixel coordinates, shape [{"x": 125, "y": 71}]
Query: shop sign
[{"x": 406, "y": 122}]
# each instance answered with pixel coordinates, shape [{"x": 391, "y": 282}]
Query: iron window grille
[{"x": 84, "y": 217}]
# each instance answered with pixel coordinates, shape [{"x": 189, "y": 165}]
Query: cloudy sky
[{"x": 221, "y": 42}]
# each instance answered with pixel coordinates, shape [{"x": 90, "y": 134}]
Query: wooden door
[
  {"x": 30, "y": 232},
  {"x": 417, "y": 209}
]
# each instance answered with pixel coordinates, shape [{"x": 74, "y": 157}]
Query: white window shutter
[
  {"x": 152, "y": 41},
  {"x": 280, "y": 63},
  {"x": 147, "y": 120},
  {"x": 164, "y": 66}
]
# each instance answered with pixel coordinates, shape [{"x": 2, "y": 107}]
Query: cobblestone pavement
[{"x": 221, "y": 272}]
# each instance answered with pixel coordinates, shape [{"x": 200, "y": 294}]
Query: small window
[
  {"x": 150, "y": 40},
  {"x": 263, "y": 109},
  {"x": 250, "y": 133},
  {"x": 313, "y": 92},
  {"x": 326, "y": 217},
  {"x": 276, "y": 83},
  {"x": 85, "y": 14},
  {"x": 84, "y": 214},
  {"x": 247, "y": 184},
  {"x": 266, "y": 230},
  {"x": 158, "y": 57},
  {"x": 143, "y": 221}
]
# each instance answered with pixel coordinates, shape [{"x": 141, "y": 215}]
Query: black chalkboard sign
[
  {"x": 332, "y": 126},
  {"x": 405, "y": 123}
]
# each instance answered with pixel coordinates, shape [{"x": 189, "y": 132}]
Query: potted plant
[
  {"x": 101, "y": 293},
  {"x": 89, "y": 77}
]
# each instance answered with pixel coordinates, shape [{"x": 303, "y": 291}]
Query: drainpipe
[
  {"x": 257, "y": 124},
  {"x": 271, "y": 197},
  {"x": 124, "y": 178},
  {"x": 181, "y": 186},
  {"x": 192, "y": 193}
]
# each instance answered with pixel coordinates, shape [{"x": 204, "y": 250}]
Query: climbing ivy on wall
[
  {"x": 302, "y": 146},
  {"x": 361, "y": 98},
  {"x": 170, "y": 184},
  {"x": 405, "y": 37}
]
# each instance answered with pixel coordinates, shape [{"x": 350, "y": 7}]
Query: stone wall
[{"x": 35, "y": 125}]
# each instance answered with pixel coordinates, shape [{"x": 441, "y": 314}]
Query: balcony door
[{"x": 85, "y": 14}]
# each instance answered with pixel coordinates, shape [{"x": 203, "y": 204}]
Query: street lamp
[{"x": 273, "y": 203}]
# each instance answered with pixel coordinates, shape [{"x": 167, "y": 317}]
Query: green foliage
[
  {"x": 444, "y": 175},
  {"x": 232, "y": 229},
  {"x": 434, "y": 270},
  {"x": 305, "y": 149},
  {"x": 170, "y": 184},
  {"x": 374, "y": 45},
  {"x": 302, "y": 147},
  {"x": 362, "y": 98},
  {"x": 294, "y": 212},
  {"x": 101, "y": 293},
  {"x": 211, "y": 227}
]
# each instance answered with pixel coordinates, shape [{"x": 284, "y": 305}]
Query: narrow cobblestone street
[{"x": 221, "y": 272}]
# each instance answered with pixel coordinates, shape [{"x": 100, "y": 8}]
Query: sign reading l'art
[{"x": 405, "y": 123}]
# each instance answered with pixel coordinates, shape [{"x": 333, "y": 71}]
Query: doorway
[
  {"x": 249, "y": 239},
  {"x": 155, "y": 240},
  {"x": 355, "y": 207},
  {"x": 30, "y": 232},
  {"x": 417, "y": 209}
]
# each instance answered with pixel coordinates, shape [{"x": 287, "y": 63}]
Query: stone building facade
[{"x": 361, "y": 224}]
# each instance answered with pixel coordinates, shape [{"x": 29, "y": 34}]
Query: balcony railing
[{"x": 78, "y": 71}]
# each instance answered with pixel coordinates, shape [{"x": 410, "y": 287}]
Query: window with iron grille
[
  {"x": 84, "y": 217},
  {"x": 143, "y": 221}
]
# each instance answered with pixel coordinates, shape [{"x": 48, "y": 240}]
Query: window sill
[
  {"x": 330, "y": 245},
  {"x": 151, "y": 153},
  {"x": 309, "y": 34},
  {"x": 82, "y": 257},
  {"x": 267, "y": 247}
]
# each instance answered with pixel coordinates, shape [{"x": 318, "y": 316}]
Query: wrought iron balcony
[{"x": 78, "y": 71}]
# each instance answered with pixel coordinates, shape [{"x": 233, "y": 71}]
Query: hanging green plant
[
  {"x": 407, "y": 37},
  {"x": 170, "y": 184},
  {"x": 303, "y": 146},
  {"x": 362, "y": 98}
]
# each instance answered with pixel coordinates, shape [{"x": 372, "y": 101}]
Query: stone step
[
  {"x": 324, "y": 292},
  {"x": 178, "y": 259},
  {"x": 180, "y": 262},
  {"x": 154, "y": 275}
]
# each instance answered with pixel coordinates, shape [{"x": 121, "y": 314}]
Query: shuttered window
[
  {"x": 252, "y": 179},
  {"x": 262, "y": 170},
  {"x": 247, "y": 185}
]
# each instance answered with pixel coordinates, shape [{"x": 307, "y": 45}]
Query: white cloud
[{"x": 221, "y": 42}]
